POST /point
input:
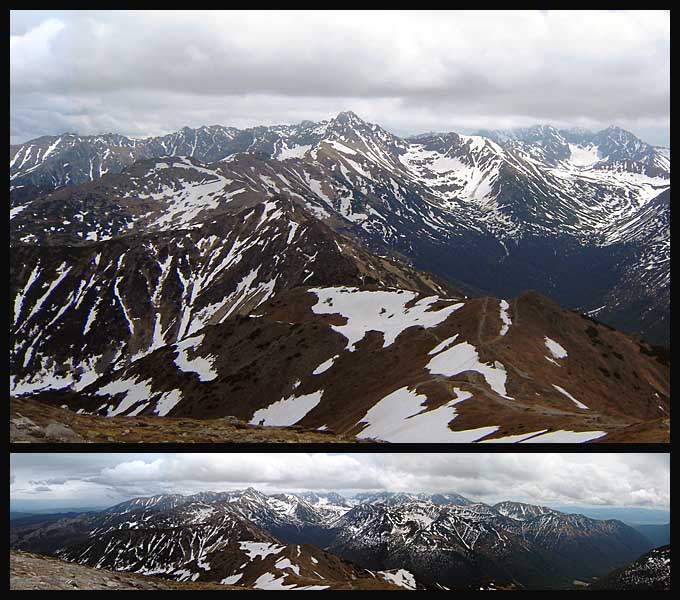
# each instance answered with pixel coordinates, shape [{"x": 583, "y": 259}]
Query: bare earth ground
[
  {"x": 653, "y": 432},
  {"x": 32, "y": 421}
]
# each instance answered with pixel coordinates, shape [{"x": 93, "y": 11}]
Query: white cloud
[
  {"x": 641, "y": 480},
  {"x": 142, "y": 73},
  {"x": 272, "y": 470}
]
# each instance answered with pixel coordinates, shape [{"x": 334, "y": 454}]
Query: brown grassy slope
[
  {"x": 620, "y": 386},
  {"x": 32, "y": 421}
]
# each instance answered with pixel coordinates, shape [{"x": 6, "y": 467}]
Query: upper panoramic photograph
[{"x": 312, "y": 226}]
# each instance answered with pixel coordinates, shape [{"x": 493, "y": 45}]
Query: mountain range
[
  {"x": 317, "y": 540},
  {"x": 532, "y": 207},
  {"x": 252, "y": 273}
]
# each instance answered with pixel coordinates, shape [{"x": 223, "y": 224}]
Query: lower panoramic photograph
[{"x": 360, "y": 521}]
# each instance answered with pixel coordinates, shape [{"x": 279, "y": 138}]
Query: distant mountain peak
[
  {"x": 348, "y": 116},
  {"x": 616, "y": 129}
]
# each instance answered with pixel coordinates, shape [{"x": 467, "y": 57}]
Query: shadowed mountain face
[
  {"x": 274, "y": 284},
  {"x": 652, "y": 571},
  {"x": 658, "y": 535},
  {"x": 409, "y": 540}
]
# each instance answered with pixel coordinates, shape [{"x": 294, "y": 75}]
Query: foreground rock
[{"x": 32, "y": 421}]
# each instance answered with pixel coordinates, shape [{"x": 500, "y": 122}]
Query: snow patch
[
  {"x": 400, "y": 577},
  {"x": 167, "y": 402},
  {"x": 505, "y": 317},
  {"x": 201, "y": 365},
  {"x": 402, "y": 416},
  {"x": 268, "y": 581},
  {"x": 324, "y": 366},
  {"x": 565, "y": 437},
  {"x": 293, "y": 151},
  {"x": 287, "y": 411},
  {"x": 134, "y": 392},
  {"x": 463, "y": 357},
  {"x": 383, "y": 311},
  {"x": 13, "y": 212},
  {"x": 583, "y": 156},
  {"x": 19, "y": 299},
  {"x": 555, "y": 349},
  {"x": 260, "y": 549},
  {"x": 511, "y": 439},
  {"x": 568, "y": 395},
  {"x": 284, "y": 563},
  {"x": 443, "y": 345}
]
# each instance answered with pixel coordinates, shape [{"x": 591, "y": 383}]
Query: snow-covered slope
[
  {"x": 82, "y": 309},
  {"x": 449, "y": 543},
  {"x": 206, "y": 540},
  {"x": 569, "y": 199},
  {"x": 129, "y": 292},
  {"x": 418, "y": 367}
]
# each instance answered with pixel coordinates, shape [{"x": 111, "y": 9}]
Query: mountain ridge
[
  {"x": 433, "y": 353},
  {"x": 457, "y": 181},
  {"x": 443, "y": 540},
  {"x": 182, "y": 263}
]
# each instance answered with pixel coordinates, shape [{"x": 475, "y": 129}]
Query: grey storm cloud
[
  {"x": 147, "y": 73},
  {"x": 634, "y": 480}
]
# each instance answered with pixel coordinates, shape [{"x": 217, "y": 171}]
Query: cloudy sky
[
  {"x": 62, "y": 480},
  {"x": 149, "y": 73}
]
